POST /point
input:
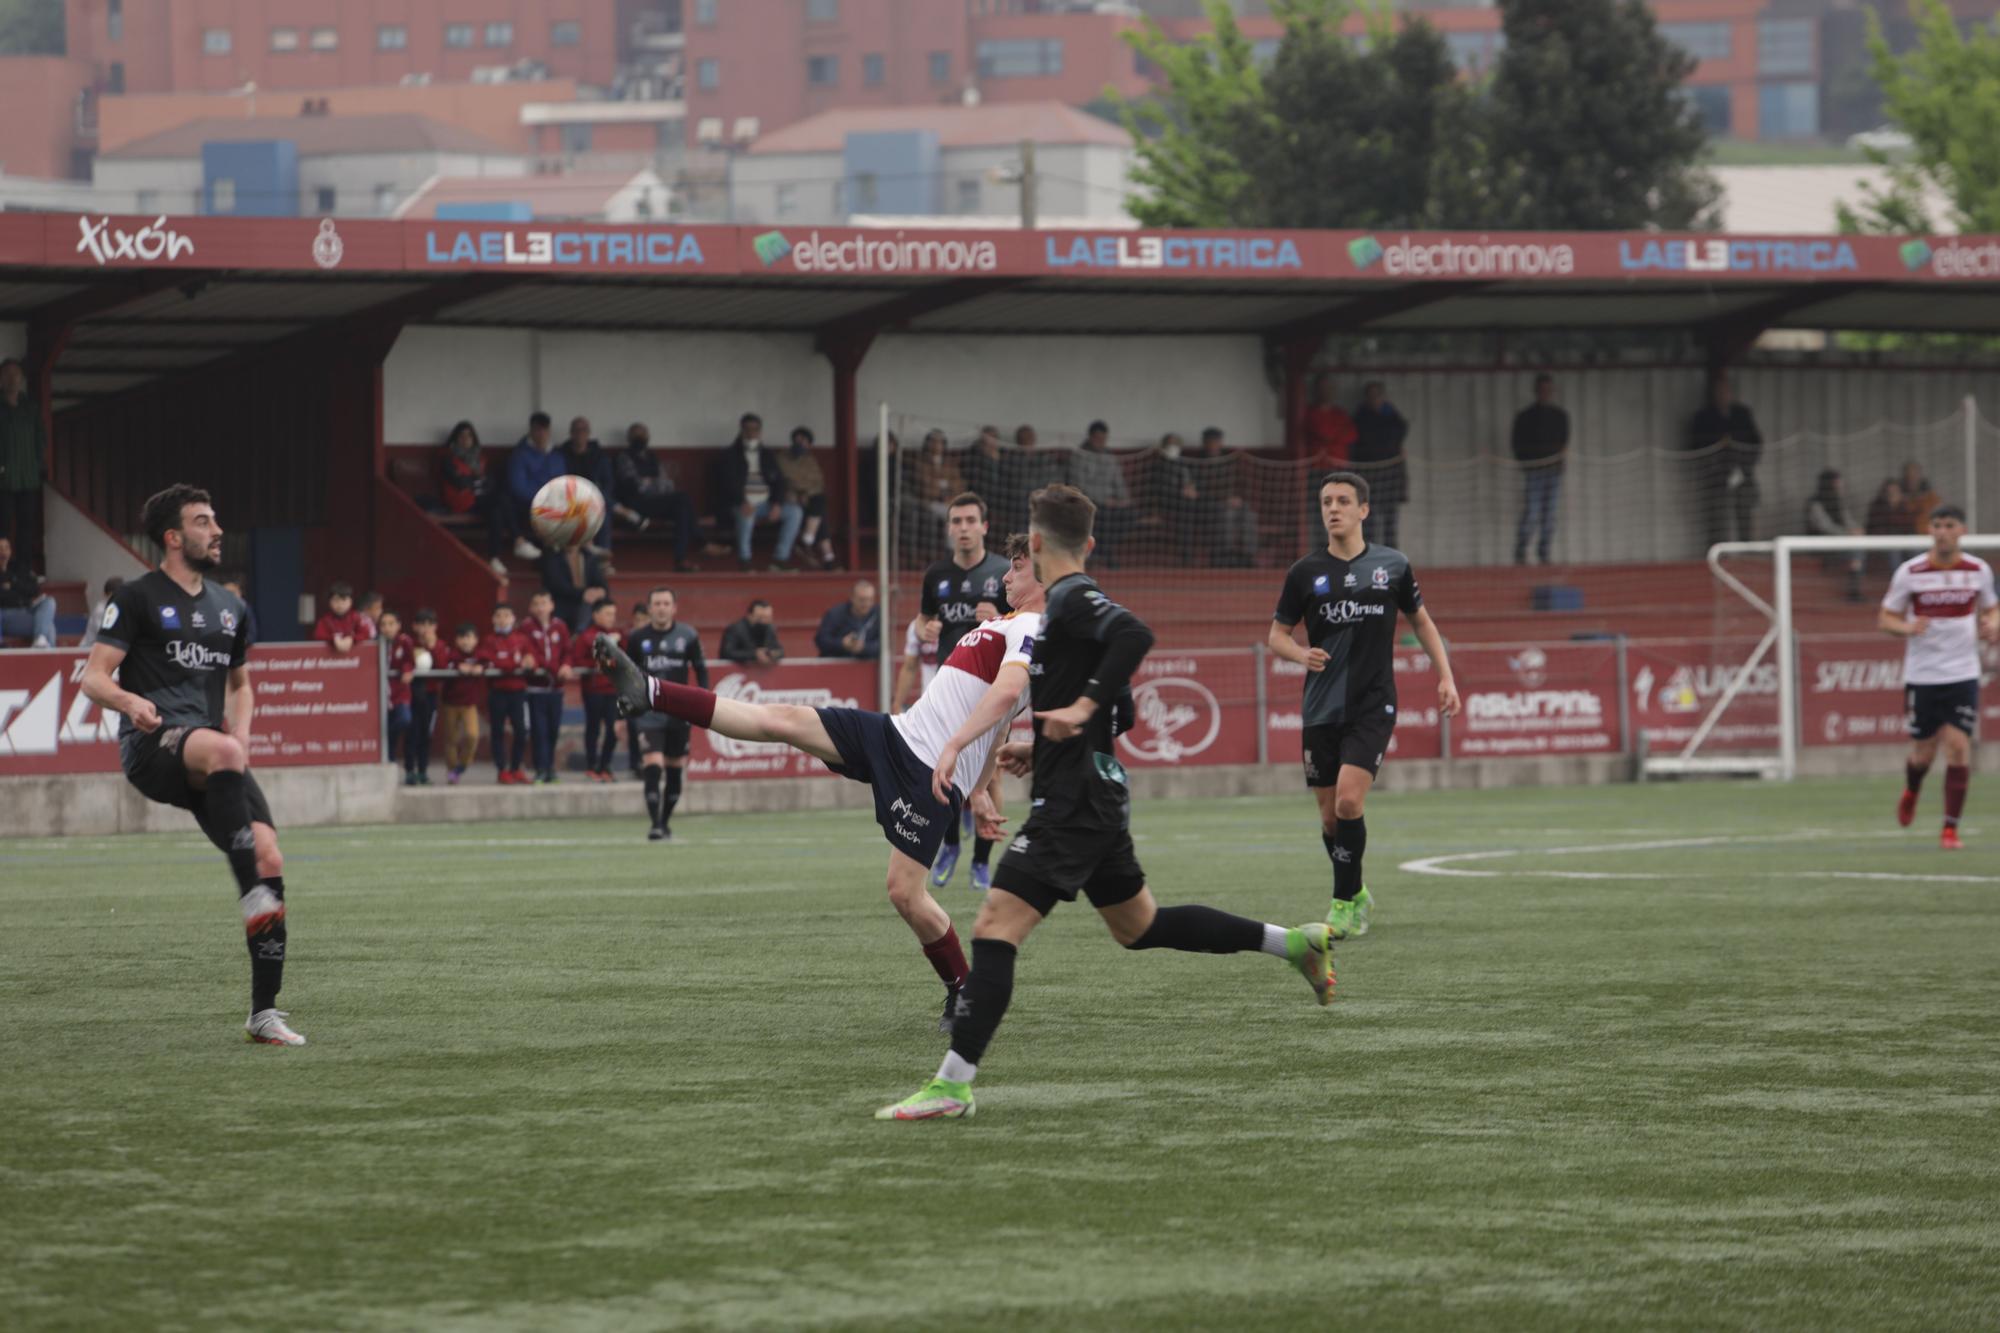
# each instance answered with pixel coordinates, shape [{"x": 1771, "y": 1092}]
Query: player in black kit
[
  {"x": 178, "y": 645},
  {"x": 669, "y": 651},
  {"x": 1078, "y": 838},
  {"x": 1348, "y": 596},
  {"x": 958, "y": 592}
]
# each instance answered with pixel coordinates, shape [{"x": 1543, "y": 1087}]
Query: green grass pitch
[{"x": 562, "y": 1078}]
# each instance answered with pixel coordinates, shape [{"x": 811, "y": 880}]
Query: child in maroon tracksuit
[
  {"x": 427, "y": 653},
  {"x": 507, "y": 658},
  {"x": 462, "y": 700},
  {"x": 399, "y": 652},
  {"x": 600, "y": 696},
  {"x": 548, "y": 639},
  {"x": 341, "y": 626}
]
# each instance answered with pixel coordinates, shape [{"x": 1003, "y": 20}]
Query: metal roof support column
[
  {"x": 846, "y": 350},
  {"x": 1297, "y": 356}
]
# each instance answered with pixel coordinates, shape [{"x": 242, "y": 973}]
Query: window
[
  {"x": 222, "y": 195},
  {"x": 871, "y": 69},
  {"x": 147, "y": 201},
  {"x": 704, "y": 13},
  {"x": 385, "y": 200},
  {"x": 864, "y": 192},
  {"x": 1787, "y": 110},
  {"x": 823, "y": 71},
  {"x": 566, "y": 33},
  {"x": 1703, "y": 41},
  {"x": 116, "y": 83},
  {"x": 1785, "y": 46},
  {"x": 1711, "y": 102},
  {"x": 499, "y": 34},
  {"x": 788, "y": 200},
  {"x": 323, "y": 199},
  {"x": 324, "y": 39},
  {"x": 392, "y": 37},
  {"x": 284, "y": 39},
  {"x": 940, "y": 67},
  {"x": 216, "y": 41},
  {"x": 458, "y": 34},
  {"x": 576, "y": 138},
  {"x": 708, "y": 74},
  {"x": 968, "y": 194},
  {"x": 1020, "y": 58},
  {"x": 114, "y": 20},
  {"x": 822, "y": 11}
]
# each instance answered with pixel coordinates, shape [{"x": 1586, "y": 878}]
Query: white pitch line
[{"x": 1447, "y": 866}]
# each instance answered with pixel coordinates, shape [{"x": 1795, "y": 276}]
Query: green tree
[
  {"x": 1589, "y": 127},
  {"x": 31, "y": 27},
  {"x": 1187, "y": 168},
  {"x": 1945, "y": 94}
]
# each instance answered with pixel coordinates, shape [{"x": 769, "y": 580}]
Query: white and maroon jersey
[
  {"x": 928, "y": 725},
  {"x": 1949, "y": 600},
  {"x": 926, "y": 655}
]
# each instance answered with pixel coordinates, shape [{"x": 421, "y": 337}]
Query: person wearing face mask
[
  {"x": 1171, "y": 493},
  {"x": 751, "y": 490},
  {"x": 805, "y": 482},
  {"x": 646, "y": 494}
]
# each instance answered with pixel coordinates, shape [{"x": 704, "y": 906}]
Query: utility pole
[{"x": 1028, "y": 185}]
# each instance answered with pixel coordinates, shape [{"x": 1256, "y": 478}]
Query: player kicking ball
[
  {"x": 1348, "y": 596},
  {"x": 178, "y": 645},
  {"x": 1941, "y": 604},
  {"x": 894, "y": 755},
  {"x": 1078, "y": 838}
]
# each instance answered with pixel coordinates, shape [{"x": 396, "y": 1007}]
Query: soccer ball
[
  {"x": 423, "y": 659},
  {"x": 568, "y": 512}
]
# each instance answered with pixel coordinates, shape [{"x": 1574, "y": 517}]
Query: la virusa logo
[{"x": 153, "y": 241}]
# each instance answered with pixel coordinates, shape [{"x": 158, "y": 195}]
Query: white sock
[
  {"x": 956, "y": 1068},
  {"x": 1274, "y": 941}
]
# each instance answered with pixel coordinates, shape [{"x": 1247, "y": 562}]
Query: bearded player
[
  {"x": 895, "y": 755},
  {"x": 178, "y": 645},
  {"x": 1348, "y": 596},
  {"x": 1941, "y": 604}
]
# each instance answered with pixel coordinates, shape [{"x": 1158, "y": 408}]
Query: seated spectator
[
  {"x": 533, "y": 465},
  {"x": 462, "y": 700},
  {"x": 237, "y": 583},
  {"x": 1236, "y": 539},
  {"x": 1034, "y": 468},
  {"x": 989, "y": 474},
  {"x": 1097, "y": 473},
  {"x": 111, "y": 587},
  {"x": 584, "y": 457},
  {"x": 646, "y": 494},
  {"x": 1885, "y": 511},
  {"x": 565, "y": 574},
  {"x": 1330, "y": 432},
  {"x": 805, "y": 482},
  {"x": 1213, "y": 473},
  {"x": 1918, "y": 501},
  {"x": 467, "y": 488},
  {"x": 933, "y": 480},
  {"x": 340, "y": 625},
  {"x": 750, "y": 489},
  {"x": 753, "y": 640},
  {"x": 25, "y": 610},
  {"x": 369, "y": 608},
  {"x": 853, "y": 628},
  {"x": 401, "y": 669},
  {"x": 1826, "y": 516}
]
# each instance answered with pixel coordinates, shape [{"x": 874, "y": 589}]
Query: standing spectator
[
  {"x": 934, "y": 480},
  {"x": 369, "y": 608},
  {"x": 753, "y": 640},
  {"x": 600, "y": 696},
  {"x": 23, "y": 445},
  {"x": 646, "y": 493},
  {"x": 852, "y": 628},
  {"x": 1919, "y": 499},
  {"x": 1826, "y": 516},
  {"x": 237, "y": 583},
  {"x": 1096, "y": 472},
  {"x": 461, "y": 701},
  {"x": 1726, "y": 444},
  {"x": 25, "y": 610},
  {"x": 466, "y": 488},
  {"x": 1034, "y": 467},
  {"x": 1541, "y": 443},
  {"x": 1212, "y": 472},
  {"x": 429, "y": 654},
  {"x": 1330, "y": 432},
  {"x": 1236, "y": 546},
  {"x": 111, "y": 587},
  {"x": 506, "y": 658},
  {"x": 750, "y": 489},
  {"x": 565, "y": 575},
  {"x": 399, "y": 665},
  {"x": 584, "y": 457},
  {"x": 805, "y": 483},
  {"x": 533, "y": 464},
  {"x": 989, "y": 475},
  {"x": 548, "y": 645},
  {"x": 1378, "y": 457},
  {"x": 340, "y": 627}
]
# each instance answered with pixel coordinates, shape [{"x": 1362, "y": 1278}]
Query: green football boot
[
  {"x": 1349, "y": 920},
  {"x": 1310, "y": 950},
  {"x": 939, "y": 1099}
]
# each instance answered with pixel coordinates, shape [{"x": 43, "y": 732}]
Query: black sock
[
  {"x": 982, "y": 1000},
  {"x": 1348, "y": 841},
  {"x": 951, "y": 833},
  {"x": 653, "y": 793},
  {"x": 267, "y": 955},
  {"x": 229, "y": 809},
  {"x": 1201, "y": 930},
  {"x": 982, "y": 848},
  {"x": 673, "y": 797}
]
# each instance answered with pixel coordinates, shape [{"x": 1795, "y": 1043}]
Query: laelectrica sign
[
  {"x": 572, "y": 248},
  {"x": 1209, "y": 253}
]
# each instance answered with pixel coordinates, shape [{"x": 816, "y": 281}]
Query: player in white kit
[
  {"x": 893, "y": 755},
  {"x": 1941, "y": 603}
]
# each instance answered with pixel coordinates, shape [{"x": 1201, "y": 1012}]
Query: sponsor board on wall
[
  {"x": 313, "y": 706},
  {"x": 807, "y": 683},
  {"x": 1672, "y": 684},
  {"x": 1851, "y": 691},
  {"x": 1419, "y": 732},
  {"x": 577, "y": 247},
  {"x": 1192, "y": 708},
  {"x": 1526, "y": 700}
]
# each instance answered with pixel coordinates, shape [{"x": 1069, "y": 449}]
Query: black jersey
[
  {"x": 179, "y": 649},
  {"x": 1349, "y": 608},
  {"x": 670, "y": 653},
  {"x": 952, "y": 596},
  {"x": 1089, "y": 646}
]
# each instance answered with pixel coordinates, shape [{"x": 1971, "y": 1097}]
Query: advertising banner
[
  {"x": 1193, "y": 708},
  {"x": 1851, "y": 691},
  {"x": 812, "y": 684},
  {"x": 160, "y": 241},
  {"x": 1675, "y": 682},
  {"x": 313, "y": 706},
  {"x": 568, "y": 247},
  {"x": 1535, "y": 700},
  {"x": 1419, "y": 732},
  {"x": 854, "y": 252}
]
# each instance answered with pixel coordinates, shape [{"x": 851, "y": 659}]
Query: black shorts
[
  {"x": 1049, "y": 862},
  {"x": 154, "y": 765},
  {"x": 660, "y": 734},
  {"x": 872, "y": 751},
  {"x": 1931, "y": 707},
  {"x": 1361, "y": 742}
]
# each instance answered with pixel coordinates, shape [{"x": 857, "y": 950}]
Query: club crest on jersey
[
  {"x": 229, "y": 621},
  {"x": 944, "y": 587},
  {"x": 170, "y": 616},
  {"x": 1380, "y": 577},
  {"x": 1320, "y": 583},
  {"x": 992, "y": 586},
  {"x": 965, "y": 586}
]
